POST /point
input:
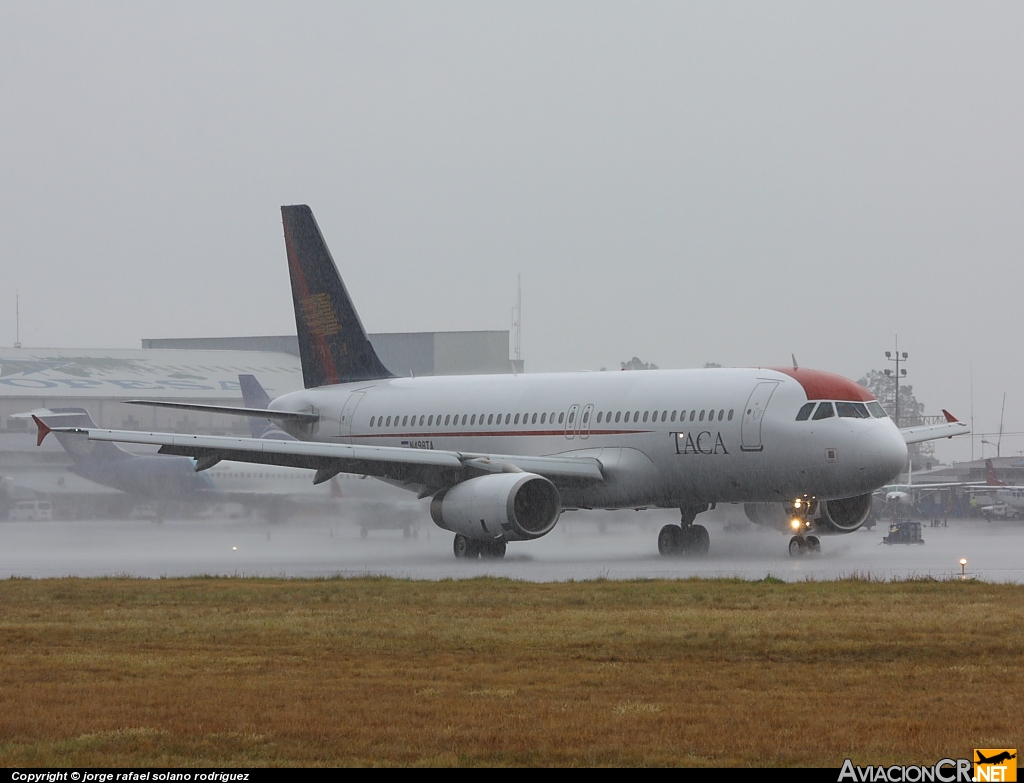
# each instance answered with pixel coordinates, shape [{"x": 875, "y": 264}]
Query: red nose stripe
[{"x": 821, "y": 385}]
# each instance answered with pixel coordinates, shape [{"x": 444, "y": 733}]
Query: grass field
[{"x": 211, "y": 672}]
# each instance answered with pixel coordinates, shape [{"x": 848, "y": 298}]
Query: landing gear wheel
[
  {"x": 700, "y": 541},
  {"x": 813, "y": 545},
  {"x": 493, "y": 550},
  {"x": 465, "y": 548},
  {"x": 797, "y": 546},
  {"x": 670, "y": 540}
]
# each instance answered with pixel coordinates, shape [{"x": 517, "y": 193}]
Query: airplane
[
  {"x": 501, "y": 456},
  {"x": 996, "y": 759},
  {"x": 1009, "y": 499}
]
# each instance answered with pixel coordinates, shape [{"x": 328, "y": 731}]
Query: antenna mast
[
  {"x": 517, "y": 316},
  {"x": 999, "y": 440},
  {"x": 17, "y": 320}
]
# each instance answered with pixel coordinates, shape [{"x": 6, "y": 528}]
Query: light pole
[{"x": 899, "y": 357}]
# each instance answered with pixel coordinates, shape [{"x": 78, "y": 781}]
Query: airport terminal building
[{"x": 198, "y": 370}]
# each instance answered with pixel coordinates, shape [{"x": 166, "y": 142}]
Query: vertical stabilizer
[{"x": 332, "y": 342}]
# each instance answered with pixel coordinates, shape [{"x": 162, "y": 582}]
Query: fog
[
  {"x": 723, "y": 182},
  {"x": 580, "y": 547}
]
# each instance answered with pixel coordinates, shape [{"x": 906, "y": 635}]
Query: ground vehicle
[{"x": 31, "y": 511}]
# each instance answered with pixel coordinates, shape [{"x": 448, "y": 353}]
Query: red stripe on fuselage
[{"x": 532, "y": 433}]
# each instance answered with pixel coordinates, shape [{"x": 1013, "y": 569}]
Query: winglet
[
  {"x": 949, "y": 416},
  {"x": 43, "y": 430}
]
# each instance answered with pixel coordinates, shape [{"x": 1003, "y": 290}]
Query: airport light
[
  {"x": 963, "y": 567},
  {"x": 900, "y": 373}
]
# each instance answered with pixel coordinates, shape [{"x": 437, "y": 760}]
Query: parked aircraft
[{"x": 501, "y": 456}]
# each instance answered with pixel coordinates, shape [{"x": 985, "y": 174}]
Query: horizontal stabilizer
[{"x": 300, "y": 418}]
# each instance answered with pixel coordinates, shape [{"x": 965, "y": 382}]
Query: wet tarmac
[{"x": 622, "y": 546}]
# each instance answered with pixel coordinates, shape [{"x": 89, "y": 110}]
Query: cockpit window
[
  {"x": 805, "y": 412},
  {"x": 852, "y": 410},
  {"x": 877, "y": 410},
  {"x": 824, "y": 412}
]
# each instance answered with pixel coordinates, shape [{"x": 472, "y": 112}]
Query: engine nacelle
[
  {"x": 844, "y": 515},
  {"x": 510, "y": 506},
  {"x": 767, "y": 515}
]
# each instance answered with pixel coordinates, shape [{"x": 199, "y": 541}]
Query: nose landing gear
[{"x": 801, "y": 545}]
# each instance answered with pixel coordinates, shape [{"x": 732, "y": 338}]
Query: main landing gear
[
  {"x": 470, "y": 548},
  {"x": 685, "y": 538}
]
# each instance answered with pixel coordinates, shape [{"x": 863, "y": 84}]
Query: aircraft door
[
  {"x": 753, "y": 413},
  {"x": 570, "y": 422},
  {"x": 348, "y": 412},
  {"x": 585, "y": 422}
]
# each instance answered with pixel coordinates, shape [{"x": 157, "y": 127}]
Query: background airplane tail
[
  {"x": 255, "y": 396},
  {"x": 991, "y": 479},
  {"x": 332, "y": 342}
]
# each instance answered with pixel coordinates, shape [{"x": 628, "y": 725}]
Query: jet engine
[
  {"x": 510, "y": 506},
  {"x": 844, "y": 515},
  {"x": 767, "y": 515}
]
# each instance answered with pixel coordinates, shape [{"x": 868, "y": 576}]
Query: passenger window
[
  {"x": 543, "y": 418},
  {"x": 516, "y": 420},
  {"x": 508, "y": 417},
  {"x": 388, "y": 422},
  {"x": 534, "y": 419},
  {"x": 473, "y": 419},
  {"x": 701, "y": 416},
  {"x": 371, "y": 421},
  {"x": 430, "y": 422},
  {"x": 572, "y": 417},
  {"x": 805, "y": 412},
  {"x": 730, "y": 414},
  {"x": 721, "y": 413},
  {"x": 824, "y": 412},
  {"x": 664, "y": 414},
  {"x": 421, "y": 421},
  {"x": 618, "y": 415},
  {"x": 463, "y": 419},
  {"x": 636, "y": 417},
  {"x": 561, "y": 417},
  {"x": 586, "y": 417},
  {"x": 692, "y": 414},
  {"x": 447, "y": 419},
  {"x": 405, "y": 420},
  {"x": 673, "y": 416},
  {"x": 646, "y": 414},
  {"x": 490, "y": 419},
  {"x": 600, "y": 414}
]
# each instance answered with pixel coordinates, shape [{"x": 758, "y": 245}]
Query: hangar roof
[{"x": 128, "y": 373}]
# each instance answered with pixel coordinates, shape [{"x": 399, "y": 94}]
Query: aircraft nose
[{"x": 882, "y": 454}]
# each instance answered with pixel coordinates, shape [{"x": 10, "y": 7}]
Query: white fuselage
[{"x": 674, "y": 436}]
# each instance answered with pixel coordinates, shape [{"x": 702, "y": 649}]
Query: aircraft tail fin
[
  {"x": 255, "y": 396},
  {"x": 991, "y": 479},
  {"x": 333, "y": 345}
]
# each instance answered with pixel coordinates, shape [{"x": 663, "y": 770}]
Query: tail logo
[{"x": 319, "y": 315}]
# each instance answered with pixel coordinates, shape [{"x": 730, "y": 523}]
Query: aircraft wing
[
  {"x": 428, "y": 469},
  {"x": 948, "y": 429}
]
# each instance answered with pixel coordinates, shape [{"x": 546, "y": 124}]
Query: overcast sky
[{"x": 682, "y": 182}]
